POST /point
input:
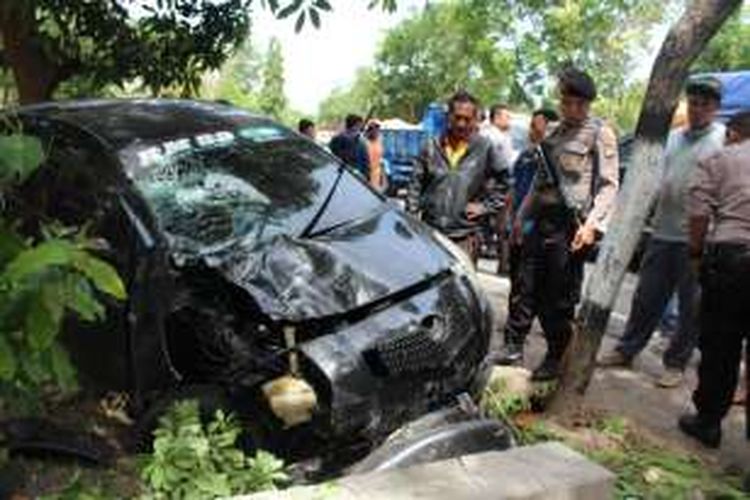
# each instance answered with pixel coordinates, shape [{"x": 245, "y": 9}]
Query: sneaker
[
  {"x": 548, "y": 370},
  {"x": 615, "y": 359},
  {"x": 509, "y": 355},
  {"x": 709, "y": 434},
  {"x": 672, "y": 377}
]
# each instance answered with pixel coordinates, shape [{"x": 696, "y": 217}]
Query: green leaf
[
  {"x": 82, "y": 300},
  {"x": 20, "y": 155},
  {"x": 34, "y": 369},
  {"x": 289, "y": 9},
  {"x": 323, "y": 5},
  {"x": 36, "y": 259},
  {"x": 300, "y": 22},
  {"x": 102, "y": 275},
  {"x": 7, "y": 359},
  {"x": 62, "y": 368},
  {"x": 44, "y": 315},
  {"x": 314, "y": 17},
  {"x": 11, "y": 243}
]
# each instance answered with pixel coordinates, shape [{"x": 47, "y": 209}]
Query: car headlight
[{"x": 465, "y": 265}]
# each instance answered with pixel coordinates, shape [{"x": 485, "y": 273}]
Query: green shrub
[
  {"x": 42, "y": 280},
  {"x": 191, "y": 460}
]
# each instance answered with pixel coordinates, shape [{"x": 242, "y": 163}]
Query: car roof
[{"x": 120, "y": 122}]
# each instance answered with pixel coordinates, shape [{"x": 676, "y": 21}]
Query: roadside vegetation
[{"x": 645, "y": 467}]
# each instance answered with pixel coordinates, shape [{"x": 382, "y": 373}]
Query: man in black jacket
[{"x": 459, "y": 177}]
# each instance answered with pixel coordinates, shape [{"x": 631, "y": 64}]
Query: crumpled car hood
[{"x": 295, "y": 279}]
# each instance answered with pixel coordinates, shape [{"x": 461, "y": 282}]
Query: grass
[{"x": 644, "y": 468}]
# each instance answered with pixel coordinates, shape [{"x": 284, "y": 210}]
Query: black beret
[{"x": 577, "y": 83}]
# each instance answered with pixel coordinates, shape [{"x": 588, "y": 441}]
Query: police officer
[
  {"x": 569, "y": 205},
  {"x": 459, "y": 177},
  {"x": 719, "y": 196}
]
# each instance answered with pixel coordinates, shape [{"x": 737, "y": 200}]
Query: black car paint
[{"x": 374, "y": 299}]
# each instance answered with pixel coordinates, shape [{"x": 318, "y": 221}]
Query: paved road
[{"x": 632, "y": 393}]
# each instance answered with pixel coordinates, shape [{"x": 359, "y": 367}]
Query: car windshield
[{"x": 242, "y": 186}]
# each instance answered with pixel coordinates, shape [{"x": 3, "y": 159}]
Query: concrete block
[{"x": 548, "y": 471}]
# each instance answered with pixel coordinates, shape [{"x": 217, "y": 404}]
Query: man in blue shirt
[{"x": 521, "y": 301}]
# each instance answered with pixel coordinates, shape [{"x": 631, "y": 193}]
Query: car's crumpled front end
[
  {"x": 382, "y": 321},
  {"x": 417, "y": 355}
]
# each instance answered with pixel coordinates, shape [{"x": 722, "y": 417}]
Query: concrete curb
[{"x": 548, "y": 471}]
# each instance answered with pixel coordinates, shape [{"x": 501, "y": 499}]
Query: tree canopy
[
  {"x": 166, "y": 45},
  {"x": 508, "y": 51},
  {"x": 272, "y": 99},
  {"x": 729, "y": 50}
]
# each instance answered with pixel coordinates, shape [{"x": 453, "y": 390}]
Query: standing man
[
  {"x": 719, "y": 196},
  {"x": 498, "y": 131},
  {"x": 569, "y": 205},
  {"x": 350, "y": 147},
  {"x": 306, "y": 127},
  {"x": 665, "y": 265},
  {"x": 374, "y": 140},
  {"x": 521, "y": 308},
  {"x": 458, "y": 177}
]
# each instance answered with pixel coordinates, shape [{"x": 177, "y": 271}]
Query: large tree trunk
[
  {"x": 685, "y": 41},
  {"x": 36, "y": 76}
]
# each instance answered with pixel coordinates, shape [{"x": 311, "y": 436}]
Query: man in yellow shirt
[{"x": 458, "y": 177}]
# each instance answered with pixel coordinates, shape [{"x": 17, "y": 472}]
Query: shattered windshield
[{"x": 215, "y": 190}]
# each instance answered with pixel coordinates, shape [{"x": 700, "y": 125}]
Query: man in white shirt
[
  {"x": 498, "y": 131},
  {"x": 666, "y": 264}
]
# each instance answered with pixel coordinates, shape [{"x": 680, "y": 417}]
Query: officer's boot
[
  {"x": 551, "y": 365},
  {"x": 549, "y": 369}
]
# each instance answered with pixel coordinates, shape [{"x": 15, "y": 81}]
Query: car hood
[{"x": 295, "y": 279}]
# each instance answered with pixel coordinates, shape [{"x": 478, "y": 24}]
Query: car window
[{"x": 245, "y": 185}]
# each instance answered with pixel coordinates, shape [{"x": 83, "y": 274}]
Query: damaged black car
[{"x": 263, "y": 276}]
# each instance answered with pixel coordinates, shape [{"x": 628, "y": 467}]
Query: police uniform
[
  {"x": 720, "y": 191},
  {"x": 578, "y": 186}
]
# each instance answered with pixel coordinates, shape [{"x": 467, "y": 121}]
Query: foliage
[
  {"x": 40, "y": 281},
  {"x": 272, "y": 99},
  {"x": 624, "y": 109},
  {"x": 508, "y": 51},
  {"x": 358, "y": 98},
  {"x": 646, "y": 470},
  {"x": 239, "y": 80},
  {"x": 728, "y": 50},
  {"x": 167, "y": 43},
  {"x": 602, "y": 36},
  {"x": 448, "y": 46},
  {"x": 193, "y": 460}
]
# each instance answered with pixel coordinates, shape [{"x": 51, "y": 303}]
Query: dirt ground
[{"x": 631, "y": 393}]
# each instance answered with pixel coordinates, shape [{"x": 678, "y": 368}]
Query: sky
[{"x": 318, "y": 61}]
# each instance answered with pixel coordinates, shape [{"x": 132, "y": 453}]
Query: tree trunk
[
  {"x": 685, "y": 41},
  {"x": 36, "y": 76}
]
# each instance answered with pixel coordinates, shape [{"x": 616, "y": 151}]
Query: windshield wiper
[{"x": 314, "y": 221}]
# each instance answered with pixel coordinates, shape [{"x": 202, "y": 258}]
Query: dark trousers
[
  {"x": 665, "y": 268},
  {"x": 521, "y": 310},
  {"x": 552, "y": 276},
  {"x": 725, "y": 324}
]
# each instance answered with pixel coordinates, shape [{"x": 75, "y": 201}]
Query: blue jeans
[{"x": 665, "y": 268}]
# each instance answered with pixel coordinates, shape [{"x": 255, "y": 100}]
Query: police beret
[
  {"x": 704, "y": 85},
  {"x": 577, "y": 83}
]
